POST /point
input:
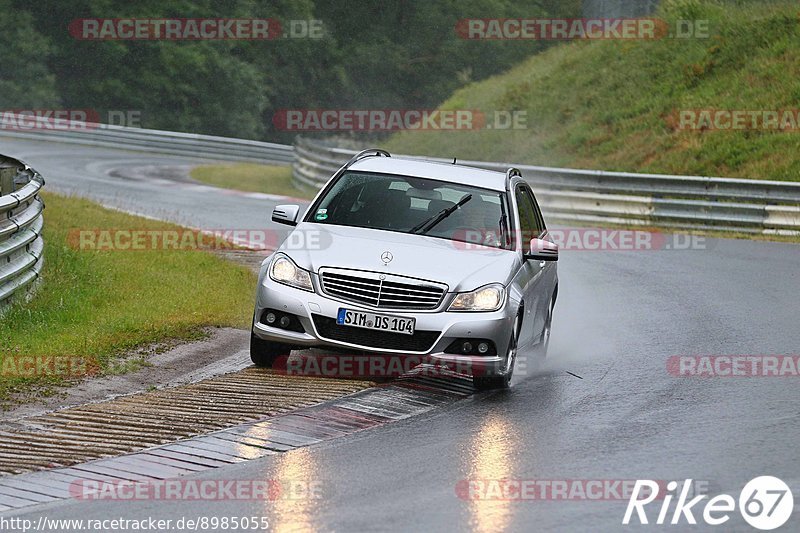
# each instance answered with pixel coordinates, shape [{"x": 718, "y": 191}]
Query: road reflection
[
  {"x": 489, "y": 456},
  {"x": 295, "y": 507}
]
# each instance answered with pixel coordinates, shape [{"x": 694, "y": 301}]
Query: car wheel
[
  {"x": 264, "y": 353},
  {"x": 502, "y": 382}
]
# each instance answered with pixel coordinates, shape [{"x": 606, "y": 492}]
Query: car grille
[
  {"x": 384, "y": 291},
  {"x": 420, "y": 341}
]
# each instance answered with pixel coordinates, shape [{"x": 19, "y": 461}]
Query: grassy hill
[{"x": 613, "y": 105}]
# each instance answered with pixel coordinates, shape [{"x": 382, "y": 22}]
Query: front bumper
[{"x": 442, "y": 326}]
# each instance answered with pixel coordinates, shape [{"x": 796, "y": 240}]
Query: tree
[{"x": 25, "y": 79}]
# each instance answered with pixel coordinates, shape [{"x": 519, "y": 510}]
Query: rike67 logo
[{"x": 765, "y": 503}]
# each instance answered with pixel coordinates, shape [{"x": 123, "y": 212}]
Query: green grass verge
[
  {"x": 612, "y": 105},
  {"x": 102, "y": 305},
  {"x": 251, "y": 178}
]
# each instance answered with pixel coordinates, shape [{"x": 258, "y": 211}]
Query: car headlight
[
  {"x": 488, "y": 298},
  {"x": 284, "y": 270}
]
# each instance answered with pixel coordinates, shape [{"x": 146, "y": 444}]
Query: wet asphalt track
[{"x": 620, "y": 316}]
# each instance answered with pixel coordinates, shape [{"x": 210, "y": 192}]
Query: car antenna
[{"x": 454, "y": 160}]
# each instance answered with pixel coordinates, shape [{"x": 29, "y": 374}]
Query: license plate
[{"x": 360, "y": 319}]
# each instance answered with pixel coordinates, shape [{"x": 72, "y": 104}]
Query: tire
[
  {"x": 264, "y": 353},
  {"x": 483, "y": 383}
]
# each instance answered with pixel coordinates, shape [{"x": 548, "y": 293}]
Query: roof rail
[
  {"x": 370, "y": 152},
  {"x": 512, "y": 172}
]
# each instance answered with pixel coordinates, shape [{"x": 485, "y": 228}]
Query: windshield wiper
[{"x": 426, "y": 225}]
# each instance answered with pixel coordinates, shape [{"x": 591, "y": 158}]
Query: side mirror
[
  {"x": 286, "y": 214},
  {"x": 542, "y": 250}
]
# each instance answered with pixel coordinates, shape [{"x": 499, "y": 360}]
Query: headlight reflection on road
[
  {"x": 296, "y": 489},
  {"x": 489, "y": 456},
  {"x": 298, "y": 474}
]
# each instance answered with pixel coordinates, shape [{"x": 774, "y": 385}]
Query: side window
[
  {"x": 527, "y": 215},
  {"x": 538, "y": 211}
]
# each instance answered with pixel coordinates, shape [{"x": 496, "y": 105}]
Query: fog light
[
  {"x": 285, "y": 321},
  {"x": 271, "y": 318},
  {"x": 462, "y": 346}
]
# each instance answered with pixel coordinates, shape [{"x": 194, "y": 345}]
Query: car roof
[{"x": 464, "y": 175}]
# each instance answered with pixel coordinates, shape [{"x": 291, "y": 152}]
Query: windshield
[{"x": 407, "y": 204}]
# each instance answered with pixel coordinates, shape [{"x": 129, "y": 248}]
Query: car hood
[{"x": 461, "y": 266}]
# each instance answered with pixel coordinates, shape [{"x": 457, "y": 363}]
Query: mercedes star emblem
[{"x": 387, "y": 257}]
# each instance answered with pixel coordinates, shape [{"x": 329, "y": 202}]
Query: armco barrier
[
  {"x": 21, "y": 222},
  {"x": 596, "y": 197},
  {"x": 152, "y": 141}
]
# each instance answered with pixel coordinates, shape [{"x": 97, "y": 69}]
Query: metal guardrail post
[
  {"x": 21, "y": 222},
  {"x": 7, "y": 173}
]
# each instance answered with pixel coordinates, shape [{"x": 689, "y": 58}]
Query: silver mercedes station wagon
[{"x": 448, "y": 263}]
